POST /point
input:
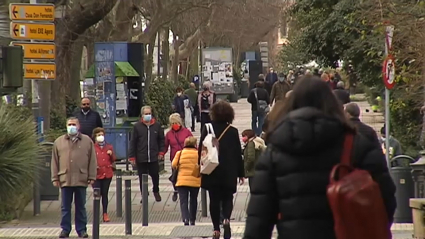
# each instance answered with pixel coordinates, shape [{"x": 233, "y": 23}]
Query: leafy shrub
[
  {"x": 19, "y": 159},
  {"x": 160, "y": 97},
  {"x": 183, "y": 82}
]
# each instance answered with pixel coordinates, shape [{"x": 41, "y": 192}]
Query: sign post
[{"x": 388, "y": 76}]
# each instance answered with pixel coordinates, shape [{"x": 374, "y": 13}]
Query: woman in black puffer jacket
[{"x": 292, "y": 175}]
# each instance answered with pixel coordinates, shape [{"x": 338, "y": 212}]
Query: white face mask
[
  {"x": 179, "y": 94},
  {"x": 100, "y": 138}
]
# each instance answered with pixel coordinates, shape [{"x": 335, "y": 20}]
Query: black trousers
[
  {"x": 205, "y": 118},
  {"x": 151, "y": 168},
  {"x": 250, "y": 179},
  {"x": 188, "y": 202},
  {"x": 220, "y": 199},
  {"x": 103, "y": 185}
]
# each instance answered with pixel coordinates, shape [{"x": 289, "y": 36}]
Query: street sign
[
  {"x": 39, "y": 50},
  {"x": 388, "y": 72},
  {"x": 32, "y": 12},
  {"x": 32, "y": 31},
  {"x": 40, "y": 71}
]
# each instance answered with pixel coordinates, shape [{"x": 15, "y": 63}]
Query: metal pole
[
  {"x": 387, "y": 127},
  {"x": 145, "y": 205},
  {"x": 127, "y": 163},
  {"x": 128, "y": 226},
  {"x": 204, "y": 203},
  {"x": 96, "y": 213},
  {"x": 119, "y": 192},
  {"x": 36, "y": 196}
]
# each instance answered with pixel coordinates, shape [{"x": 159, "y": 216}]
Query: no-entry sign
[{"x": 388, "y": 72}]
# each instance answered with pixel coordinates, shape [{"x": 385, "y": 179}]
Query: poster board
[{"x": 217, "y": 67}]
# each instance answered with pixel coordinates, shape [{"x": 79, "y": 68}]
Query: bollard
[
  {"x": 128, "y": 227},
  {"x": 118, "y": 197},
  {"x": 96, "y": 213},
  {"x": 145, "y": 205},
  {"x": 204, "y": 203},
  {"x": 36, "y": 196}
]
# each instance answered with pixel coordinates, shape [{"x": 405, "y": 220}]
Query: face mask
[
  {"x": 175, "y": 127},
  {"x": 281, "y": 79},
  {"x": 147, "y": 118},
  {"x": 179, "y": 94},
  {"x": 383, "y": 138},
  {"x": 100, "y": 138},
  {"x": 72, "y": 130},
  {"x": 245, "y": 139}
]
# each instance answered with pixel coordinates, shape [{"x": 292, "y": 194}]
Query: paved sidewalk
[{"x": 161, "y": 230}]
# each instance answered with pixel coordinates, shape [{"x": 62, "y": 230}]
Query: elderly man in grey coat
[{"x": 74, "y": 168}]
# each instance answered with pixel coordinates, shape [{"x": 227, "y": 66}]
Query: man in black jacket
[
  {"x": 352, "y": 111},
  {"x": 258, "y": 94},
  {"x": 88, "y": 118},
  {"x": 341, "y": 93},
  {"x": 147, "y": 141}
]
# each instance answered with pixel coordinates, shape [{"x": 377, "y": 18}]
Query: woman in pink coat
[{"x": 175, "y": 140}]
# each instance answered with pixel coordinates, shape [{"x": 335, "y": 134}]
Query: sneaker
[
  {"x": 83, "y": 235},
  {"x": 186, "y": 222},
  {"x": 157, "y": 197},
  {"x": 175, "y": 197},
  {"x": 106, "y": 217},
  {"x": 64, "y": 234},
  {"x": 192, "y": 223}
]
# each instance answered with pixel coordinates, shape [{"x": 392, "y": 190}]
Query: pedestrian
[
  {"x": 259, "y": 100},
  {"x": 179, "y": 103},
  {"x": 253, "y": 148},
  {"x": 73, "y": 168},
  {"x": 394, "y": 144},
  {"x": 292, "y": 175},
  {"x": 193, "y": 96},
  {"x": 271, "y": 78},
  {"x": 222, "y": 182},
  {"x": 174, "y": 139},
  {"x": 341, "y": 93},
  {"x": 352, "y": 111},
  {"x": 89, "y": 119},
  {"x": 205, "y": 100},
  {"x": 188, "y": 180},
  {"x": 146, "y": 143},
  {"x": 279, "y": 89},
  {"x": 105, "y": 168}
]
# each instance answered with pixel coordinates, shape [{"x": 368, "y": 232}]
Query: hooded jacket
[
  {"x": 146, "y": 142},
  {"x": 252, "y": 151},
  {"x": 292, "y": 176}
]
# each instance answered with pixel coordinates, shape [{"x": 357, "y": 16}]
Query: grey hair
[
  {"x": 206, "y": 84},
  {"x": 72, "y": 118},
  {"x": 340, "y": 84},
  {"x": 146, "y": 107}
]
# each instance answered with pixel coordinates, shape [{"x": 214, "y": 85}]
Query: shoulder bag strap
[
  {"x": 255, "y": 93},
  {"x": 221, "y": 135},
  {"x": 177, "y": 140},
  {"x": 346, "y": 151},
  {"x": 210, "y": 129},
  {"x": 178, "y": 160}
]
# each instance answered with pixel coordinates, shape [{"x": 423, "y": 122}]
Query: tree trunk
[
  {"x": 165, "y": 49},
  {"x": 149, "y": 63},
  {"x": 77, "y": 54},
  {"x": 69, "y": 28}
]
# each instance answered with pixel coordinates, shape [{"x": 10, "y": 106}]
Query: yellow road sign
[
  {"x": 40, "y": 71},
  {"x": 32, "y": 12},
  {"x": 32, "y": 31},
  {"x": 37, "y": 50}
]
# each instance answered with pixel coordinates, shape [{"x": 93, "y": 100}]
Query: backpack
[
  {"x": 262, "y": 106},
  {"x": 209, "y": 154},
  {"x": 356, "y": 201},
  {"x": 205, "y": 102}
]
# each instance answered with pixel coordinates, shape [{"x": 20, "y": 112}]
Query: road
[{"x": 164, "y": 216}]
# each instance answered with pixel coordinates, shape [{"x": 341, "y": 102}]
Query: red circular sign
[{"x": 388, "y": 72}]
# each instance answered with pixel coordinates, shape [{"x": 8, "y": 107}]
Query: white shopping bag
[{"x": 209, "y": 153}]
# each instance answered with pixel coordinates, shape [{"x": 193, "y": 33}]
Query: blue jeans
[
  {"x": 79, "y": 194},
  {"x": 188, "y": 202},
  {"x": 257, "y": 122}
]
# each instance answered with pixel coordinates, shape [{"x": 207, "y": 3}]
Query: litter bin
[
  {"x": 48, "y": 192},
  {"x": 401, "y": 173},
  {"x": 244, "y": 89},
  {"x": 235, "y": 96},
  {"x": 418, "y": 174}
]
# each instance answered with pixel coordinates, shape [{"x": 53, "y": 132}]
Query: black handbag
[{"x": 175, "y": 172}]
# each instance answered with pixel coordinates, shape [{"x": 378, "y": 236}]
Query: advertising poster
[{"x": 218, "y": 69}]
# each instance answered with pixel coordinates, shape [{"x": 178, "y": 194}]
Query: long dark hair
[{"x": 310, "y": 91}]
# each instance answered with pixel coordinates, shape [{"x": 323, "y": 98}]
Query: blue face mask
[
  {"x": 281, "y": 79},
  {"x": 72, "y": 130},
  {"x": 147, "y": 118}
]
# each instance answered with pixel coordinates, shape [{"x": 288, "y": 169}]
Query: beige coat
[{"x": 73, "y": 163}]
